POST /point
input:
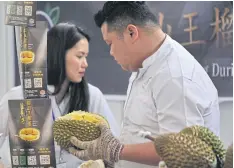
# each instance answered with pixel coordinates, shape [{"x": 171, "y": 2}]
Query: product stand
[{"x": 30, "y": 119}]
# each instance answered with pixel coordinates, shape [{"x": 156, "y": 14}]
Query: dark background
[{"x": 107, "y": 75}]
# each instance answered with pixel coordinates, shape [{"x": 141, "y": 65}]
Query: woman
[{"x": 67, "y": 49}]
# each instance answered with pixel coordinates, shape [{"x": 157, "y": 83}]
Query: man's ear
[{"x": 132, "y": 31}]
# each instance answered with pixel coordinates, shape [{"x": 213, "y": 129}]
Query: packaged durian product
[
  {"x": 30, "y": 133},
  {"x": 33, "y": 62},
  {"x": 30, "y": 118}
]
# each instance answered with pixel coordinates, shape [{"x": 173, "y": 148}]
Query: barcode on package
[
  {"x": 32, "y": 160},
  {"x": 19, "y": 10},
  {"x": 27, "y": 83},
  {"x": 15, "y": 160},
  {"x": 11, "y": 9},
  {"x": 28, "y": 10},
  {"x": 37, "y": 82},
  {"x": 44, "y": 159}
]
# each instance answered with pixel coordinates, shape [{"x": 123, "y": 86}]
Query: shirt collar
[
  {"x": 159, "y": 54},
  {"x": 162, "y": 49},
  {"x": 50, "y": 89}
]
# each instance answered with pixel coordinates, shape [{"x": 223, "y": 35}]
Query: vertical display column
[{"x": 30, "y": 119}]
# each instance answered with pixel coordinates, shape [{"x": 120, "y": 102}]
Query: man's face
[{"x": 121, "y": 47}]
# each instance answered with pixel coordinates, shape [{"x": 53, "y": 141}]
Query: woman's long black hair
[{"x": 61, "y": 38}]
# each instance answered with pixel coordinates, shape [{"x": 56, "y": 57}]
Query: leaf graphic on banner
[
  {"x": 47, "y": 7},
  {"x": 55, "y": 14}
]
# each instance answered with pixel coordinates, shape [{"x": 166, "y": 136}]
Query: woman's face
[{"x": 76, "y": 62}]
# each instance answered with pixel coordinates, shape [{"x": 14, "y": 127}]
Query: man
[{"x": 168, "y": 90}]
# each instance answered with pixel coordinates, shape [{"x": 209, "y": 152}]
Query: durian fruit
[
  {"x": 184, "y": 151},
  {"x": 81, "y": 124},
  {"x": 210, "y": 139},
  {"x": 229, "y": 157},
  {"x": 29, "y": 134},
  {"x": 93, "y": 164}
]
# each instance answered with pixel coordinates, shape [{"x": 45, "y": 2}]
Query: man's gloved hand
[{"x": 106, "y": 147}]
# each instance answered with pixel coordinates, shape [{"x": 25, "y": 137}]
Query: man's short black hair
[{"x": 118, "y": 14}]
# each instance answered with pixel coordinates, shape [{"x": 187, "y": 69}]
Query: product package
[
  {"x": 30, "y": 134},
  {"x": 32, "y": 60},
  {"x": 30, "y": 119}
]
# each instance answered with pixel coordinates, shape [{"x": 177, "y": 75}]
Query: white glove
[{"x": 106, "y": 148}]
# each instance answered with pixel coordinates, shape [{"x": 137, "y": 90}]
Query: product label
[
  {"x": 30, "y": 134},
  {"x": 20, "y": 13}
]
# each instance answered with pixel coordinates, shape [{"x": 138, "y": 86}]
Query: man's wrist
[
  {"x": 118, "y": 150},
  {"x": 121, "y": 153}
]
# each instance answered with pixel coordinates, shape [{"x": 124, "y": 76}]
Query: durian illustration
[
  {"x": 81, "y": 124},
  {"x": 27, "y": 57},
  {"x": 29, "y": 134}
]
